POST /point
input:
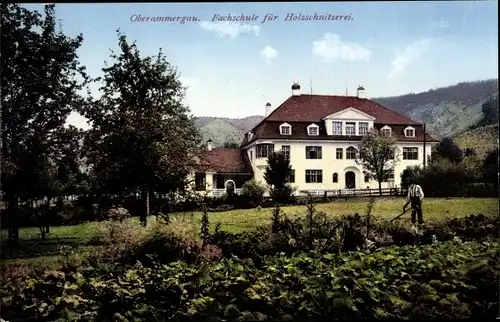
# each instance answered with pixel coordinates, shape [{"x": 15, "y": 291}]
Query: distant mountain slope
[
  {"x": 446, "y": 111},
  {"x": 482, "y": 139},
  {"x": 220, "y": 132},
  {"x": 225, "y": 130}
]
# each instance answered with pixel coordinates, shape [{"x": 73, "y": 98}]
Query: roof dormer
[
  {"x": 409, "y": 132},
  {"x": 285, "y": 129},
  {"x": 313, "y": 130},
  {"x": 386, "y": 129}
]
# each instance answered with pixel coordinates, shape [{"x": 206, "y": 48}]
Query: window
[
  {"x": 350, "y": 153},
  {"x": 264, "y": 150},
  {"x": 313, "y": 130},
  {"x": 286, "y": 129},
  {"x": 199, "y": 181},
  {"x": 410, "y": 153},
  {"x": 388, "y": 175},
  {"x": 386, "y": 130},
  {"x": 363, "y": 128},
  {"x": 339, "y": 153},
  {"x": 337, "y": 128},
  {"x": 286, "y": 151},
  {"x": 313, "y": 152},
  {"x": 314, "y": 176},
  {"x": 350, "y": 128},
  {"x": 335, "y": 178},
  {"x": 410, "y": 132},
  {"x": 367, "y": 178},
  {"x": 291, "y": 177}
]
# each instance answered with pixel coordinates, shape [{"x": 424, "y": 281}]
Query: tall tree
[
  {"x": 143, "y": 138},
  {"x": 448, "y": 149},
  {"x": 377, "y": 154},
  {"x": 276, "y": 175},
  {"x": 490, "y": 168},
  {"x": 41, "y": 77}
]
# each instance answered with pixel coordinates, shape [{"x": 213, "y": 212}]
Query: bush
[
  {"x": 117, "y": 214},
  {"x": 452, "y": 280},
  {"x": 283, "y": 195},
  {"x": 253, "y": 193}
]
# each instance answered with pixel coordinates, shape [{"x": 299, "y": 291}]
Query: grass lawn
[{"x": 240, "y": 220}]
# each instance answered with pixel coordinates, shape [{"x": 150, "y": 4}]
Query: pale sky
[{"x": 234, "y": 68}]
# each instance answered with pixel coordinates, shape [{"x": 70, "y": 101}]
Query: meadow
[{"x": 35, "y": 252}]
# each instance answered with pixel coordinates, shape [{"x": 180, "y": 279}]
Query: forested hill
[{"x": 447, "y": 111}]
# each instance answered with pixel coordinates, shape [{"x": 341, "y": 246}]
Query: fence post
[{"x": 325, "y": 196}]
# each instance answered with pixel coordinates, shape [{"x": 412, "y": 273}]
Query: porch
[{"x": 218, "y": 184}]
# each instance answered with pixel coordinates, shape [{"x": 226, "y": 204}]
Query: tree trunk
[
  {"x": 47, "y": 216},
  {"x": 380, "y": 188},
  {"x": 144, "y": 214},
  {"x": 13, "y": 216}
]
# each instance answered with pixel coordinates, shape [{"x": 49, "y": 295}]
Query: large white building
[{"x": 319, "y": 134}]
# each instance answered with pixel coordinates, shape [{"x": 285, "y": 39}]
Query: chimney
[
  {"x": 361, "y": 92},
  {"x": 269, "y": 109},
  {"x": 295, "y": 89},
  {"x": 209, "y": 145}
]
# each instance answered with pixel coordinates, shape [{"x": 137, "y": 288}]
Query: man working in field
[{"x": 415, "y": 196}]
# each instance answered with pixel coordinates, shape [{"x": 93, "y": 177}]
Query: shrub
[
  {"x": 164, "y": 243},
  {"x": 253, "y": 193},
  {"x": 451, "y": 280},
  {"x": 117, "y": 214},
  {"x": 283, "y": 194}
]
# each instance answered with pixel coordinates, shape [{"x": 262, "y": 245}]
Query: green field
[{"x": 78, "y": 236}]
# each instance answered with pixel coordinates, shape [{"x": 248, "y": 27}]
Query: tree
[
  {"x": 448, "y": 149},
  {"x": 230, "y": 145},
  {"x": 276, "y": 175},
  {"x": 490, "y": 168},
  {"x": 143, "y": 138},
  {"x": 378, "y": 155},
  {"x": 41, "y": 77},
  {"x": 414, "y": 173}
]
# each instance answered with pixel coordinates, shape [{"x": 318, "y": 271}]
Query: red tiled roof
[
  {"x": 223, "y": 160},
  {"x": 301, "y": 111},
  {"x": 312, "y": 108}
]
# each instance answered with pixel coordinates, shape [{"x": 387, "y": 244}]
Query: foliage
[
  {"x": 253, "y": 192},
  {"x": 411, "y": 173},
  {"x": 230, "y": 145},
  {"x": 143, "y": 138},
  {"x": 118, "y": 214},
  {"x": 41, "y": 79},
  {"x": 455, "y": 279},
  {"x": 377, "y": 153},
  {"x": 490, "y": 113},
  {"x": 448, "y": 149},
  {"x": 490, "y": 168},
  {"x": 276, "y": 175}
]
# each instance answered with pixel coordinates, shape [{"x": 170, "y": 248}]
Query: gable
[{"x": 350, "y": 113}]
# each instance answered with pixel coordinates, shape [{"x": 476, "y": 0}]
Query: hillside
[
  {"x": 225, "y": 130},
  {"x": 482, "y": 140},
  {"x": 447, "y": 111},
  {"x": 220, "y": 132}
]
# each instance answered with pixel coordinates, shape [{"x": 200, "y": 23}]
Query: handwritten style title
[{"x": 244, "y": 18}]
